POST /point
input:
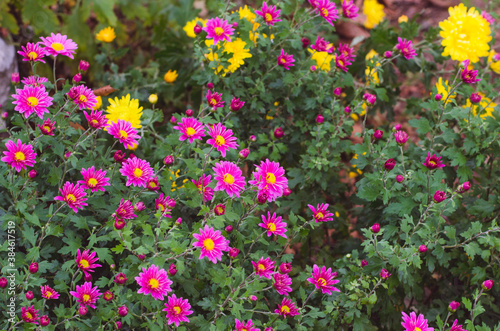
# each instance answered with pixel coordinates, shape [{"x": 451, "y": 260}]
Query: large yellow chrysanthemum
[
  {"x": 237, "y": 48},
  {"x": 189, "y": 27},
  {"x": 246, "y": 13},
  {"x": 322, "y": 59},
  {"x": 485, "y": 107},
  {"x": 374, "y": 12},
  {"x": 465, "y": 34},
  {"x": 125, "y": 109}
]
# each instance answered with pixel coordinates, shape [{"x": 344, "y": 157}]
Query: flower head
[
  {"x": 374, "y": 12},
  {"x": 30, "y": 314},
  {"x": 33, "y": 52},
  {"x": 94, "y": 180},
  {"x": 384, "y": 274},
  {"x": 73, "y": 195},
  {"x": 124, "y": 132},
  {"x": 401, "y": 137},
  {"x": 211, "y": 244},
  {"x": 202, "y": 185},
  {"x": 58, "y": 44},
  {"x": 244, "y": 326},
  {"x": 120, "y": 278},
  {"x": 406, "y": 48},
  {"x": 85, "y": 98},
  {"x": 321, "y": 45},
  {"x": 269, "y": 13},
  {"x": 214, "y": 100},
  {"x": 456, "y": 327},
  {"x": 229, "y": 178},
  {"x": 49, "y": 293},
  {"x": 412, "y": 323},
  {"x": 125, "y": 210},
  {"x": 349, "y": 9},
  {"x": 137, "y": 171},
  {"x": 320, "y": 213},
  {"x": 323, "y": 279},
  {"x": 32, "y": 99},
  {"x": 19, "y": 155},
  {"x": 433, "y": 162},
  {"x": 469, "y": 76},
  {"x": 327, "y": 10},
  {"x": 218, "y": 29},
  {"x": 191, "y": 129},
  {"x": 177, "y": 309},
  {"x": 221, "y": 139},
  {"x": 170, "y": 76},
  {"x": 106, "y": 35},
  {"x": 236, "y": 104},
  {"x": 85, "y": 261},
  {"x": 86, "y": 295},
  {"x": 439, "y": 196},
  {"x": 285, "y": 60},
  {"x": 274, "y": 225},
  {"x": 34, "y": 80},
  {"x": 487, "y": 284},
  {"x": 47, "y": 127},
  {"x": 125, "y": 109},
  {"x": 270, "y": 177},
  {"x": 154, "y": 281},
  {"x": 96, "y": 119},
  {"x": 287, "y": 308},
  {"x": 264, "y": 268},
  {"x": 165, "y": 204},
  {"x": 282, "y": 283}
]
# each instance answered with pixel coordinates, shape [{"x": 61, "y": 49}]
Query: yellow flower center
[
  {"x": 152, "y": 184},
  {"x": 268, "y": 17},
  {"x": 229, "y": 179},
  {"x": 154, "y": 283},
  {"x": 283, "y": 60},
  {"x": 48, "y": 294},
  {"x": 219, "y": 140},
  {"x": 28, "y": 314},
  {"x": 432, "y": 163},
  {"x": 19, "y": 156},
  {"x": 86, "y": 298},
  {"x": 285, "y": 309},
  {"x": 261, "y": 267},
  {"x": 123, "y": 134},
  {"x": 95, "y": 122},
  {"x": 220, "y": 210},
  {"x": 47, "y": 128},
  {"x": 92, "y": 182},
  {"x": 32, "y": 102},
  {"x": 57, "y": 46},
  {"x": 209, "y": 244},
  {"x": 271, "y": 227},
  {"x": 162, "y": 207},
  {"x": 176, "y": 310},
  {"x": 213, "y": 102},
  {"x": 324, "y": 11},
  {"x": 418, "y": 329},
  {"x": 321, "y": 282},
  {"x": 137, "y": 172},
  {"x": 70, "y": 198},
  {"x": 270, "y": 178},
  {"x": 32, "y": 56},
  {"x": 82, "y": 98},
  {"x": 190, "y": 131},
  {"x": 84, "y": 263},
  {"x": 219, "y": 31},
  {"x": 319, "y": 215}
]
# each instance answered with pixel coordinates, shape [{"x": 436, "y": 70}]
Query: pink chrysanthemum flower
[
  {"x": 218, "y": 29},
  {"x": 137, "y": 171},
  {"x": 469, "y": 76},
  {"x": 221, "y": 138},
  {"x": 321, "y": 45},
  {"x": 433, "y": 162},
  {"x": 165, "y": 204},
  {"x": 32, "y": 99},
  {"x": 285, "y": 60},
  {"x": 229, "y": 178},
  {"x": 323, "y": 279},
  {"x": 58, "y": 44},
  {"x": 191, "y": 129},
  {"x": 96, "y": 119},
  {"x": 320, "y": 213},
  {"x": 328, "y": 11},
  {"x": 487, "y": 16},
  {"x": 211, "y": 244},
  {"x": 202, "y": 185},
  {"x": 406, "y": 48},
  {"x": 33, "y": 52},
  {"x": 86, "y": 295},
  {"x": 85, "y": 261},
  {"x": 412, "y": 323},
  {"x": 85, "y": 98},
  {"x": 177, "y": 309},
  {"x": 264, "y": 268},
  {"x": 154, "y": 281},
  {"x": 244, "y": 326},
  {"x": 49, "y": 293},
  {"x": 269, "y": 13},
  {"x": 456, "y": 327},
  {"x": 214, "y": 100},
  {"x": 153, "y": 184},
  {"x": 273, "y": 225},
  {"x": 34, "y": 80},
  {"x": 349, "y": 9},
  {"x": 19, "y": 155},
  {"x": 269, "y": 176},
  {"x": 287, "y": 308},
  {"x": 94, "y": 180},
  {"x": 282, "y": 283},
  {"x": 341, "y": 62},
  {"x": 30, "y": 314},
  {"x": 124, "y": 132},
  {"x": 73, "y": 195},
  {"x": 125, "y": 210},
  {"x": 47, "y": 127}
]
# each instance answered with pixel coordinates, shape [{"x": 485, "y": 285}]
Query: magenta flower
[
  {"x": 86, "y": 295},
  {"x": 320, "y": 213},
  {"x": 19, "y": 155},
  {"x": 85, "y": 261},
  {"x": 439, "y": 196},
  {"x": 214, "y": 100},
  {"x": 264, "y": 268},
  {"x": 321, "y": 45},
  {"x": 177, "y": 309},
  {"x": 469, "y": 76},
  {"x": 191, "y": 129},
  {"x": 328, "y": 11},
  {"x": 49, "y": 293},
  {"x": 211, "y": 244},
  {"x": 487, "y": 17},
  {"x": 121, "y": 278},
  {"x": 347, "y": 52},
  {"x": 370, "y": 98},
  {"x": 229, "y": 178},
  {"x": 202, "y": 185},
  {"x": 32, "y": 99},
  {"x": 165, "y": 204},
  {"x": 30, "y": 314},
  {"x": 32, "y": 52},
  {"x": 384, "y": 274},
  {"x": 236, "y": 104},
  {"x": 137, "y": 171},
  {"x": 433, "y": 162},
  {"x": 221, "y": 139},
  {"x": 282, "y": 283},
  {"x": 342, "y": 61},
  {"x": 285, "y": 60},
  {"x": 84, "y": 98},
  {"x": 153, "y": 184},
  {"x": 94, "y": 180},
  {"x": 349, "y": 9},
  {"x": 411, "y": 323},
  {"x": 34, "y": 80},
  {"x": 96, "y": 119},
  {"x": 58, "y": 44},
  {"x": 487, "y": 284},
  {"x": 242, "y": 326},
  {"x": 456, "y": 327},
  {"x": 218, "y": 29},
  {"x": 270, "y": 176},
  {"x": 401, "y": 137},
  {"x": 124, "y": 132},
  {"x": 47, "y": 127},
  {"x": 287, "y": 308},
  {"x": 323, "y": 279},
  {"x": 269, "y": 13},
  {"x": 154, "y": 281},
  {"x": 453, "y": 306},
  {"x": 125, "y": 210},
  {"x": 273, "y": 225},
  {"x": 73, "y": 195},
  {"x": 406, "y": 48}
]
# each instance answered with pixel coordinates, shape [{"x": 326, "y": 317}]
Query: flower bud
[
  {"x": 370, "y": 98},
  {"x": 210, "y": 86},
  {"x": 197, "y": 29},
  {"x": 422, "y": 248},
  {"x": 123, "y": 311},
  {"x": 235, "y": 25},
  {"x": 153, "y": 99},
  {"x": 141, "y": 257},
  {"x": 233, "y": 252},
  {"x": 401, "y": 137},
  {"x": 487, "y": 285},
  {"x": 168, "y": 160},
  {"x": 229, "y": 229},
  {"x": 253, "y": 138},
  {"x": 384, "y": 274},
  {"x": 278, "y": 133},
  {"x": 83, "y": 66},
  {"x": 313, "y": 68},
  {"x": 5, "y": 115},
  {"x": 439, "y": 196},
  {"x": 67, "y": 154},
  {"x": 139, "y": 206},
  {"x": 119, "y": 324},
  {"x": 3, "y": 282},
  {"x": 220, "y": 209},
  {"x": 82, "y": 311},
  {"x": 189, "y": 112},
  {"x": 389, "y": 164},
  {"x": 400, "y": 178},
  {"x": 236, "y": 104},
  {"x": 243, "y": 154},
  {"x": 112, "y": 267},
  {"x": 262, "y": 198},
  {"x": 320, "y": 119},
  {"x": 463, "y": 187},
  {"x": 121, "y": 278},
  {"x": 32, "y": 174},
  {"x": 285, "y": 268},
  {"x": 178, "y": 221},
  {"x": 387, "y": 54},
  {"x": 172, "y": 270},
  {"x": 14, "y": 78},
  {"x": 87, "y": 277},
  {"x": 475, "y": 97},
  {"x": 269, "y": 329},
  {"x": 33, "y": 268},
  {"x": 77, "y": 78},
  {"x": 286, "y": 191},
  {"x": 253, "y": 298},
  {"x": 337, "y": 91},
  {"x": 364, "y": 263},
  {"x": 29, "y": 295},
  {"x": 438, "y": 97},
  {"x": 108, "y": 295},
  {"x": 453, "y": 306},
  {"x": 173, "y": 120},
  {"x": 119, "y": 156},
  {"x": 496, "y": 57},
  {"x": 44, "y": 320},
  {"x": 305, "y": 42},
  {"x": 376, "y": 228},
  {"x": 378, "y": 134},
  {"x": 120, "y": 223},
  {"x": 347, "y": 110}
]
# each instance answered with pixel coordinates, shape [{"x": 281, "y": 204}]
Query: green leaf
[
  {"x": 104, "y": 11},
  {"x": 422, "y": 125}
]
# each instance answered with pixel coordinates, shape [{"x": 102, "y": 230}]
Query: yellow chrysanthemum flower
[
  {"x": 247, "y": 14},
  {"x": 371, "y": 73},
  {"x": 402, "y": 18},
  {"x": 125, "y": 109},
  {"x": 444, "y": 89},
  {"x": 98, "y": 104},
  {"x": 153, "y": 98},
  {"x": 189, "y": 27},
  {"x": 170, "y": 76},
  {"x": 485, "y": 107},
  {"x": 237, "y": 48},
  {"x": 465, "y": 34},
  {"x": 106, "y": 35},
  {"x": 374, "y": 12},
  {"x": 494, "y": 65},
  {"x": 322, "y": 59}
]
